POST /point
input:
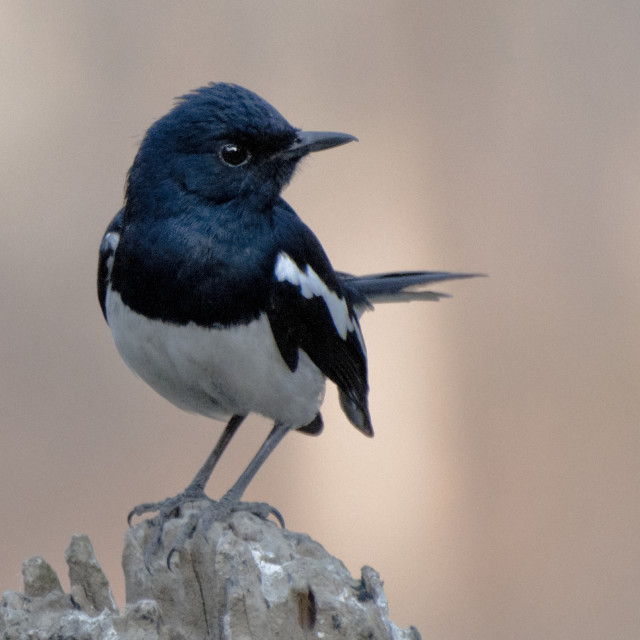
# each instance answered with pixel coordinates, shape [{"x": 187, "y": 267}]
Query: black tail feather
[{"x": 397, "y": 287}]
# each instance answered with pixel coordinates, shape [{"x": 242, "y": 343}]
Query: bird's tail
[{"x": 397, "y": 287}]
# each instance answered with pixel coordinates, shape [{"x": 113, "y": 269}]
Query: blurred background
[{"x": 499, "y": 498}]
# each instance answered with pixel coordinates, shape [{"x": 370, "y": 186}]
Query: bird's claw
[
  {"x": 261, "y": 509},
  {"x": 168, "y": 508},
  {"x": 201, "y": 517},
  {"x": 219, "y": 510}
]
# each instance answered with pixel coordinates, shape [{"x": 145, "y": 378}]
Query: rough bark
[{"x": 246, "y": 579}]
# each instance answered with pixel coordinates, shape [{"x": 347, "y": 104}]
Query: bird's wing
[
  {"x": 107, "y": 252},
  {"x": 309, "y": 310}
]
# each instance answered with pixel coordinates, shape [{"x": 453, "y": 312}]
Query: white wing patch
[
  {"x": 109, "y": 246},
  {"x": 312, "y": 285}
]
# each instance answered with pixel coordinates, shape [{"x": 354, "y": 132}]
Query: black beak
[{"x": 309, "y": 141}]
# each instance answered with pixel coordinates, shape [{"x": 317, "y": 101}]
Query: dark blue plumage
[{"x": 218, "y": 295}]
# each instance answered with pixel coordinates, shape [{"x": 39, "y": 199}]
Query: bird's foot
[
  {"x": 198, "y": 511},
  {"x": 170, "y": 507}
]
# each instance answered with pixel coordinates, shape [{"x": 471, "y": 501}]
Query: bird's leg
[
  {"x": 231, "y": 500},
  {"x": 209, "y": 513},
  {"x": 274, "y": 438},
  {"x": 197, "y": 485},
  {"x": 195, "y": 490}
]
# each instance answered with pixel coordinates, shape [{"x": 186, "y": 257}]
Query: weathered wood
[{"x": 246, "y": 579}]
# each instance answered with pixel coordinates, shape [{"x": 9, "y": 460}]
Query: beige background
[{"x": 499, "y": 498}]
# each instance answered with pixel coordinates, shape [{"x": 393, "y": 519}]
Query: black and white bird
[{"x": 220, "y": 297}]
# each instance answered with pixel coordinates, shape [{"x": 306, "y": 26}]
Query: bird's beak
[{"x": 309, "y": 141}]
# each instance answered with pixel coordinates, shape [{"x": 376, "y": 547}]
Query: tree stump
[{"x": 246, "y": 579}]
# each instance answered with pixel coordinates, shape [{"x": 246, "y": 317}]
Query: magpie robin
[{"x": 221, "y": 298}]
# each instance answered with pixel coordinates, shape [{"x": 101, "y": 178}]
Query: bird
[{"x": 222, "y": 299}]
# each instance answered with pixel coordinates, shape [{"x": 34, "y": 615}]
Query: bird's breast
[
  {"x": 216, "y": 372},
  {"x": 181, "y": 272}
]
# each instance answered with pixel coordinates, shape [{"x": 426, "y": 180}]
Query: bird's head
[{"x": 220, "y": 143}]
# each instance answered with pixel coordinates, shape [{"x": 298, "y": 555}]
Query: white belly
[{"x": 217, "y": 372}]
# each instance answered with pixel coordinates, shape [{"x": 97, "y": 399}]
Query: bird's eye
[{"x": 234, "y": 155}]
